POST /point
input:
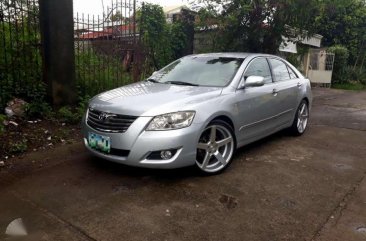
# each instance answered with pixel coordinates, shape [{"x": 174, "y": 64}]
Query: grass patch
[
  {"x": 349, "y": 86},
  {"x": 19, "y": 146}
]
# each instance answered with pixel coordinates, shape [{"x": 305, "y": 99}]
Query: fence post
[{"x": 57, "y": 31}]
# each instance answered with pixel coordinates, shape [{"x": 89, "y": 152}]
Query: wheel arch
[{"x": 227, "y": 120}]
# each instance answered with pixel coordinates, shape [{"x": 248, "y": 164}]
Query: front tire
[
  {"x": 215, "y": 148},
  {"x": 301, "y": 119}
]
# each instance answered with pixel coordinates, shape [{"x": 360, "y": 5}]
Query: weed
[
  {"x": 18, "y": 146},
  {"x": 68, "y": 115},
  {"x": 349, "y": 86},
  {"x": 38, "y": 109}
]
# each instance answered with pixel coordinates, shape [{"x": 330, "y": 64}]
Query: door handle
[
  {"x": 299, "y": 84},
  {"x": 274, "y": 92}
]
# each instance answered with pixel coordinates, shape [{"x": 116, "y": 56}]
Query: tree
[
  {"x": 260, "y": 25},
  {"x": 155, "y": 35},
  {"x": 164, "y": 42},
  {"x": 182, "y": 34},
  {"x": 343, "y": 22}
]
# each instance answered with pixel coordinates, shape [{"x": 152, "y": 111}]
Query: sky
[{"x": 95, "y": 6}]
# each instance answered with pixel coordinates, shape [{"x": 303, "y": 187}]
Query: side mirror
[{"x": 254, "y": 81}]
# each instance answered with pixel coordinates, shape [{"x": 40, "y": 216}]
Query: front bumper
[{"x": 141, "y": 143}]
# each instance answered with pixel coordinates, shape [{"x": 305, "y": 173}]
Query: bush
[
  {"x": 74, "y": 115},
  {"x": 38, "y": 108},
  {"x": 352, "y": 74},
  {"x": 349, "y": 86},
  {"x": 68, "y": 115},
  {"x": 340, "y": 63}
]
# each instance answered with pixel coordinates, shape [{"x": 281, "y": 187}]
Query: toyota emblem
[{"x": 102, "y": 116}]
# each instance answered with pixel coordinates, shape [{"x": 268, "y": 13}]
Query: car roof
[
  {"x": 244, "y": 55},
  {"x": 231, "y": 55}
]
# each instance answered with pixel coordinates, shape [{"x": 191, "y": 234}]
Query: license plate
[{"x": 99, "y": 142}]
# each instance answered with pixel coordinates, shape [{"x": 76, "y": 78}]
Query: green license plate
[{"x": 99, "y": 142}]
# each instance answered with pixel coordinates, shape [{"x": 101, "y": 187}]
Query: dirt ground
[
  {"x": 27, "y": 136},
  {"x": 311, "y": 187}
]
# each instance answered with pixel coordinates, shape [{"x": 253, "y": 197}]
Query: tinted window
[
  {"x": 259, "y": 67},
  {"x": 293, "y": 75},
  {"x": 279, "y": 70},
  {"x": 206, "y": 71}
]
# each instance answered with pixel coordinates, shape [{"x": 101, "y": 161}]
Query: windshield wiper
[
  {"x": 181, "y": 83},
  {"x": 152, "y": 80}
]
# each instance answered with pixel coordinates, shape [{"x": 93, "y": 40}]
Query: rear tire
[{"x": 301, "y": 119}]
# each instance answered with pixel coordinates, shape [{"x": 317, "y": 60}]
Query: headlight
[{"x": 171, "y": 121}]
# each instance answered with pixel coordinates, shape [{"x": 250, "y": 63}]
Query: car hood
[{"x": 150, "y": 99}]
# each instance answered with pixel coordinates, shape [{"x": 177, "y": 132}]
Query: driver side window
[{"x": 259, "y": 67}]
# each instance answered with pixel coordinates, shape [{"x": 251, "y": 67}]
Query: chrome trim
[
  {"x": 269, "y": 118},
  {"x": 103, "y": 130},
  {"x": 119, "y": 125}
]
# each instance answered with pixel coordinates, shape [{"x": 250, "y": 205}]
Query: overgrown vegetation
[
  {"x": 259, "y": 26},
  {"x": 164, "y": 42},
  {"x": 340, "y": 63},
  {"x": 237, "y": 25},
  {"x": 96, "y": 72},
  {"x": 349, "y": 86},
  {"x": 343, "y": 72},
  {"x": 342, "y": 22},
  {"x": 20, "y": 59},
  {"x": 73, "y": 115}
]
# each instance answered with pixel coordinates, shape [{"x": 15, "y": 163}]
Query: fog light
[
  {"x": 166, "y": 155},
  {"x": 162, "y": 154}
]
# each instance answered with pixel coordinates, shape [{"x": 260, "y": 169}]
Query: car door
[
  {"x": 286, "y": 90},
  {"x": 254, "y": 104}
]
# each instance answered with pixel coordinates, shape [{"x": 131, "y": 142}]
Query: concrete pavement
[{"x": 282, "y": 188}]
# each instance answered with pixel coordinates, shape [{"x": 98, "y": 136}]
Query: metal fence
[
  {"x": 20, "y": 52},
  {"x": 107, "y": 48}
]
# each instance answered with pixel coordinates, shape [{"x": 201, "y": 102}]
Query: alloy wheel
[
  {"x": 302, "y": 117},
  {"x": 215, "y": 148}
]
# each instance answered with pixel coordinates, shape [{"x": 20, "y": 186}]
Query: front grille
[{"x": 108, "y": 122}]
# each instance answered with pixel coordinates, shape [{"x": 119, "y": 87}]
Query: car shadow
[
  {"x": 121, "y": 169},
  {"x": 262, "y": 142},
  {"x": 179, "y": 173}
]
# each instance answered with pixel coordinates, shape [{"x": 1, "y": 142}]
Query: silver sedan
[{"x": 197, "y": 111}]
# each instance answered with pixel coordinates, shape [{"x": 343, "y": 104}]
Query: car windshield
[{"x": 202, "y": 71}]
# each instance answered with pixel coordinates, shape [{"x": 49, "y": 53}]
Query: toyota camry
[{"x": 197, "y": 111}]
